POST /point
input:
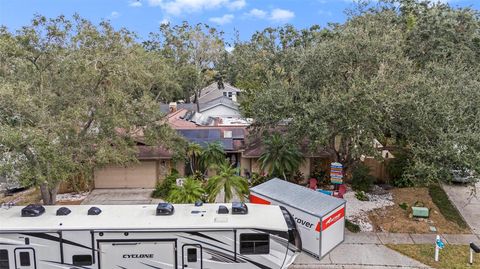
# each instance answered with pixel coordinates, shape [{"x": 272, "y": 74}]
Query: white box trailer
[
  {"x": 320, "y": 218},
  {"x": 238, "y": 235}
]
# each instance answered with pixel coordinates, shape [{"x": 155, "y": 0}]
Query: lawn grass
[
  {"x": 448, "y": 210},
  {"x": 451, "y": 257}
]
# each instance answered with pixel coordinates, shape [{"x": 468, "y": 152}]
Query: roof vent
[
  {"x": 33, "y": 210},
  {"x": 63, "y": 211},
  {"x": 165, "y": 209},
  {"x": 198, "y": 203},
  {"x": 94, "y": 211},
  {"x": 222, "y": 209},
  {"x": 239, "y": 208}
]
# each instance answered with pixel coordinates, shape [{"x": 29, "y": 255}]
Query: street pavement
[
  {"x": 368, "y": 251},
  {"x": 467, "y": 201}
]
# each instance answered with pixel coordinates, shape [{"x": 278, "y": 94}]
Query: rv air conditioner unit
[
  {"x": 222, "y": 209},
  {"x": 239, "y": 208},
  {"x": 63, "y": 211},
  {"x": 165, "y": 209},
  {"x": 94, "y": 211},
  {"x": 33, "y": 210}
]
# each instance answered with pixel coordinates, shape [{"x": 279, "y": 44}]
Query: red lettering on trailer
[
  {"x": 257, "y": 200},
  {"x": 333, "y": 218},
  {"x": 318, "y": 227}
]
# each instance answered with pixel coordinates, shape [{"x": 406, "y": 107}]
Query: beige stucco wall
[{"x": 305, "y": 168}]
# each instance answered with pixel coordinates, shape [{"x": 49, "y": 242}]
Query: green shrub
[
  {"x": 352, "y": 227},
  {"x": 257, "y": 179},
  {"x": 361, "y": 196},
  {"x": 361, "y": 178},
  {"x": 403, "y": 206},
  {"x": 396, "y": 168},
  {"x": 163, "y": 188}
]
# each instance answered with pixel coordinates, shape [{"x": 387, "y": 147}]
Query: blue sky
[{"x": 144, "y": 16}]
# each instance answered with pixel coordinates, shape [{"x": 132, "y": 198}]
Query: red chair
[
  {"x": 313, "y": 184},
  {"x": 342, "y": 189}
]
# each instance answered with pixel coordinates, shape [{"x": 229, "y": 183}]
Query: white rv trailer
[{"x": 148, "y": 236}]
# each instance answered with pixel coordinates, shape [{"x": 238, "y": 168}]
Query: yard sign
[{"x": 336, "y": 173}]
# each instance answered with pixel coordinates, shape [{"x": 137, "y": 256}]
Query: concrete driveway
[
  {"x": 466, "y": 202},
  {"x": 120, "y": 197}
]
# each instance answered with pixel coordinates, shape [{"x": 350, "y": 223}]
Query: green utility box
[{"x": 420, "y": 212}]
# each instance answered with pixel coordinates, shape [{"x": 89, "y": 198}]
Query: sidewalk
[
  {"x": 467, "y": 205},
  {"x": 368, "y": 251}
]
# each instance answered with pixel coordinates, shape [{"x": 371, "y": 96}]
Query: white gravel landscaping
[
  {"x": 72, "y": 196},
  {"x": 357, "y": 211}
]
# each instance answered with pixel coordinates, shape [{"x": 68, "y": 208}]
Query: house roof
[
  {"x": 212, "y": 88},
  {"x": 254, "y": 149},
  {"x": 202, "y": 136},
  {"x": 165, "y": 108},
  {"x": 222, "y": 100},
  {"x": 153, "y": 153}
]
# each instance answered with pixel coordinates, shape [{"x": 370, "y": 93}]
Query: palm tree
[
  {"x": 190, "y": 192},
  {"x": 194, "y": 153},
  {"x": 280, "y": 157},
  {"x": 213, "y": 155},
  {"x": 227, "y": 180}
]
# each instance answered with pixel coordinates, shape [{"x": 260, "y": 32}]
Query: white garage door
[{"x": 139, "y": 175}]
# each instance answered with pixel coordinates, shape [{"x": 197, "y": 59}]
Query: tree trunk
[{"x": 49, "y": 193}]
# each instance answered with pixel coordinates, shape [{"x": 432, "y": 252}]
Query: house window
[
  {"x": 254, "y": 243},
  {"x": 4, "y": 259},
  {"x": 225, "y": 94},
  {"x": 230, "y": 95},
  {"x": 24, "y": 258},
  {"x": 82, "y": 260}
]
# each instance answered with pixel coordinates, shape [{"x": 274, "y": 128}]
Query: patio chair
[
  {"x": 313, "y": 184},
  {"x": 342, "y": 189}
]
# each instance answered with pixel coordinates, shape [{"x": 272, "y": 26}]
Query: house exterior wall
[
  {"x": 215, "y": 94},
  {"x": 221, "y": 111},
  {"x": 305, "y": 168}
]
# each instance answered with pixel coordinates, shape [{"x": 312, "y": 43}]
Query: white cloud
[
  {"x": 135, "y": 3},
  {"x": 227, "y": 18},
  {"x": 281, "y": 15},
  {"x": 114, "y": 15},
  {"x": 165, "y": 21},
  {"x": 179, "y": 7},
  {"x": 257, "y": 13},
  {"x": 325, "y": 13},
  {"x": 229, "y": 48},
  {"x": 237, "y": 4}
]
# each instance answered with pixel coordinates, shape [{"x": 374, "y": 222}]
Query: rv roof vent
[
  {"x": 94, "y": 211},
  {"x": 33, "y": 210},
  {"x": 239, "y": 208},
  {"x": 222, "y": 209},
  {"x": 198, "y": 203},
  {"x": 165, "y": 209},
  {"x": 63, "y": 211}
]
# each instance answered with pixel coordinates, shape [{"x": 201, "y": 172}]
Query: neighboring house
[
  {"x": 213, "y": 91},
  {"x": 222, "y": 107}
]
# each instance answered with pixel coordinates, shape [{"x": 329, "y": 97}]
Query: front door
[
  {"x": 192, "y": 256},
  {"x": 25, "y": 258}
]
